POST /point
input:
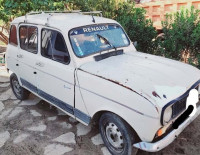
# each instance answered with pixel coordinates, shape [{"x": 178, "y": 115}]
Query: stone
[
  {"x": 16, "y": 112},
  {"x": 4, "y": 136},
  {"x": 82, "y": 129},
  {"x": 97, "y": 140},
  {"x": 105, "y": 151},
  {"x": 56, "y": 149},
  {"x": 66, "y": 138},
  {"x": 40, "y": 128},
  {"x": 35, "y": 113},
  {"x": 20, "y": 138}
]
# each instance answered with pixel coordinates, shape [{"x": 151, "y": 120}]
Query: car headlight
[{"x": 167, "y": 115}]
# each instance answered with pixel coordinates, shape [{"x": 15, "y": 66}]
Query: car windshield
[{"x": 96, "y": 38}]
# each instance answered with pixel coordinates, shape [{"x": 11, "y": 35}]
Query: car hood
[{"x": 157, "y": 79}]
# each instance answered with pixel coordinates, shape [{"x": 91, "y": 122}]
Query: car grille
[{"x": 179, "y": 106}]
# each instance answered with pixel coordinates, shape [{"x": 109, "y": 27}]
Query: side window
[
  {"x": 28, "y": 38},
  {"x": 13, "y": 35},
  {"x": 32, "y": 39},
  {"x": 53, "y": 46}
]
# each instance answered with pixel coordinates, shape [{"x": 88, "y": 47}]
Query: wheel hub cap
[{"x": 114, "y": 136}]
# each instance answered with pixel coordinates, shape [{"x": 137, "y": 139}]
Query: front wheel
[
  {"x": 116, "y": 134},
  {"x": 20, "y": 92}
]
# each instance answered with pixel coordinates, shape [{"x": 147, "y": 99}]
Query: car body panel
[{"x": 146, "y": 74}]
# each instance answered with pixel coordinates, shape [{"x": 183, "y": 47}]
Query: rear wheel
[
  {"x": 116, "y": 134},
  {"x": 20, "y": 92}
]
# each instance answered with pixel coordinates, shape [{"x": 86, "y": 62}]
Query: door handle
[
  {"x": 40, "y": 64},
  {"x": 20, "y": 56}
]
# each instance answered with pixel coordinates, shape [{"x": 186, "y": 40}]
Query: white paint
[
  {"x": 4, "y": 85},
  {"x": 35, "y": 113},
  {"x": 40, "y": 128},
  {"x": 4, "y": 136},
  {"x": 82, "y": 129},
  {"x": 33, "y": 100},
  {"x": 72, "y": 120},
  {"x": 20, "y": 138},
  {"x": 97, "y": 140},
  {"x": 56, "y": 149},
  {"x": 105, "y": 151},
  {"x": 1, "y": 106},
  {"x": 52, "y": 118},
  {"x": 170, "y": 92},
  {"x": 16, "y": 112},
  {"x": 193, "y": 99},
  {"x": 65, "y": 125},
  {"x": 66, "y": 138},
  {"x": 5, "y": 113}
]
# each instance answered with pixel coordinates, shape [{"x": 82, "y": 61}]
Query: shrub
[{"x": 182, "y": 36}]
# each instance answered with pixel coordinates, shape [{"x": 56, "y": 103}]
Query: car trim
[
  {"x": 57, "y": 102},
  {"x": 29, "y": 85},
  {"x": 177, "y": 99}
]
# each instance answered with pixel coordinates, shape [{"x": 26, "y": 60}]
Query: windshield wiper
[{"x": 107, "y": 41}]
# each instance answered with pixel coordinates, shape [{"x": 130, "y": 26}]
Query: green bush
[
  {"x": 182, "y": 36},
  {"x": 139, "y": 29}
]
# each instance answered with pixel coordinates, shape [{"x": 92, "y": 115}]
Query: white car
[{"x": 87, "y": 67}]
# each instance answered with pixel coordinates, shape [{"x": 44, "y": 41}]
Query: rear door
[
  {"x": 55, "y": 72},
  {"x": 28, "y": 37}
]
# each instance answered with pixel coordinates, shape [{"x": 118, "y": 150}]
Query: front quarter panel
[{"x": 103, "y": 95}]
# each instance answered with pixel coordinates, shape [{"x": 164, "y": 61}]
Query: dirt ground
[{"x": 33, "y": 127}]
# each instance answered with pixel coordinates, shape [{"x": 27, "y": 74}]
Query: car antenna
[{"x": 93, "y": 20}]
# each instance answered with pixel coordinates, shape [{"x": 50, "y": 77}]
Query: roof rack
[
  {"x": 92, "y": 12},
  {"x": 48, "y": 12},
  {"x": 52, "y": 12}
]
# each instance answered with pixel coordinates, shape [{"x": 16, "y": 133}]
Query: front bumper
[{"x": 159, "y": 145}]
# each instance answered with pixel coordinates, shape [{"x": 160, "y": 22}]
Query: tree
[
  {"x": 182, "y": 36},
  {"x": 9, "y": 9}
]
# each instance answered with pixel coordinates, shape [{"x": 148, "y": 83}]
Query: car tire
[
  {"x": 20, "y": 92},
  {"x": 116, "y": 134}
]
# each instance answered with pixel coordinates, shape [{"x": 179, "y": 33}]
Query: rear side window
[
  {"x": 28, "y": 36},
  {"x": 13, "y": 35},
  {"x": 53, "y": 46}
]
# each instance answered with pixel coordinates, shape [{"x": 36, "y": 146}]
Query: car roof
[{"x": 62, "y": 20}]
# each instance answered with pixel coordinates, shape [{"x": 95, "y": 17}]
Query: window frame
[
  {"x": 28, "y": 38},
  {"x": 100, "y": 50},
  {"x": 11, "y": 43},
  {"x": 44, "y": 28}
]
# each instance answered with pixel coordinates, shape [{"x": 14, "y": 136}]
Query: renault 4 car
[{"x": 86, "y": 66}]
